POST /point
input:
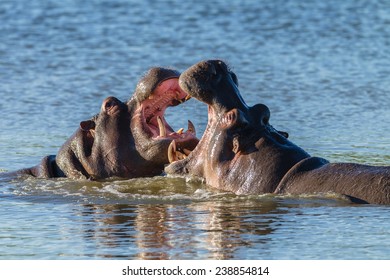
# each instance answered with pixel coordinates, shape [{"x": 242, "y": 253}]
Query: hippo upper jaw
[{"x": 213, "y": 83}]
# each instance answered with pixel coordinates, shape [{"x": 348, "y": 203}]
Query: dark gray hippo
[
  {"x": 242, "y": 153},
  {"x": 124, "y": 140},
  {"x": 97, "y": 149}
]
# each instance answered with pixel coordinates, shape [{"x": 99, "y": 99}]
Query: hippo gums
[
  {"x": 124, "y": 140},
  {"x": 242, "y": 153}
]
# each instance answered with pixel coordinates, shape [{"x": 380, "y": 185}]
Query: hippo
[
  {"x": 98, "y": 153},
  {"x": 101, "y": 147},
  {"x": 125, "y": 140},
  {"x": 241, "y": 152}
]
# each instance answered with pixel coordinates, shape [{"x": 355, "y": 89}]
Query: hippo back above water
[{"x": 241, "y": 152}]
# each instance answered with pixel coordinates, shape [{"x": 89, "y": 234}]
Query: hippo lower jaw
[{"x": 153, "y": 123}]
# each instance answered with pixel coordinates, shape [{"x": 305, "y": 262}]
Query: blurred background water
[{"x": 322, "y": 68}]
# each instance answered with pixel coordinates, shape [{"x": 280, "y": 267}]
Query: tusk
[
  {"x": 188, "y": 97},
  {"x": 161, "y": 126},
  {"x": 172, "y": 152},
  {"x": 180, "y": 155},
  {"x": 180, "y": 131},
  {"x": 186, "y": 151},
  {"x": 191, "y": 128}
]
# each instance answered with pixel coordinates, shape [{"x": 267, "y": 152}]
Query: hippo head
[
  {"x": 136, "y": 137},
  {"x": 239, "y": 151},
  {"x": 213, "y": 83},
  {"x": 128, "y": 140},
  {"x": 155, "y": 92},
  {"x": 106, "y": 151}
]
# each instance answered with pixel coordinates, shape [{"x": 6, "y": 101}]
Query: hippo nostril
[{"x": 109, "y": 104}]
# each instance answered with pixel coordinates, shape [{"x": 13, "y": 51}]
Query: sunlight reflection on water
[{"x": 320, "y": 66}]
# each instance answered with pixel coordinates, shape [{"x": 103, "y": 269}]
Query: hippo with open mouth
[
  {"x": 124, "y": 140},
  {"x": 242, "y": 153}
]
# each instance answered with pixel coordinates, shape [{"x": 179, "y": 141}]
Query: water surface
[{"x": 321, "y": 67}]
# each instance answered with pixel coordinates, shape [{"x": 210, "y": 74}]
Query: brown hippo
[
  {"x": 242, "y": 153},
  {"x": 124, "y": 140}
]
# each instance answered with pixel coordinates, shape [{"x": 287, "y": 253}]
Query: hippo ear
[
  {"x": 261, "y": 113},
  {"x": 233, "y": 118},
  {"x": 234, "y": 78},
  {"x": 240, "y": 131},
  {"x": 87, "y": 125}
]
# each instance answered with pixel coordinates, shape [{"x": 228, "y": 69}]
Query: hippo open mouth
[
  {"x": 151, "y": 112},
  {"x": 154, "y": 135}
]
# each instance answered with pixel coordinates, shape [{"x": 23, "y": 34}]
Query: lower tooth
[
  {"x": 180, "y": 155},
  {"x": 191, "y": 128},
  {"x": 161, "y": 126},
  {"x": 172, "y": 152}
]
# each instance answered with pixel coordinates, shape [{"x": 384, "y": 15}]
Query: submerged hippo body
[
  {"x": 128, "y": 140},
  {"x": 361, "y": 183},
  {"x": 241, "y": 152},
  {"x": 47, "y": 168}
]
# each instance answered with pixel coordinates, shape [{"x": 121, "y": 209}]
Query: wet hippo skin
[{"x": 241, "y": 152}]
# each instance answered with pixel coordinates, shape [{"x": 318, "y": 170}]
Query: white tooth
[
  {"x": 186, "y": 151},
  {"x": 180, "y": 131},
  {"x": 191, "y": 128},
  {"x": 161, "y": 126},
  {"x": 180, "y": 155},
  {"x": 172, "y": 152},
  {"x": 188, "y": 97},
  {"x": 177, "y": 97}
]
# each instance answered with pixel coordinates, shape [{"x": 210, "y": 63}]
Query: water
[{"x": 322, "y": 67}]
